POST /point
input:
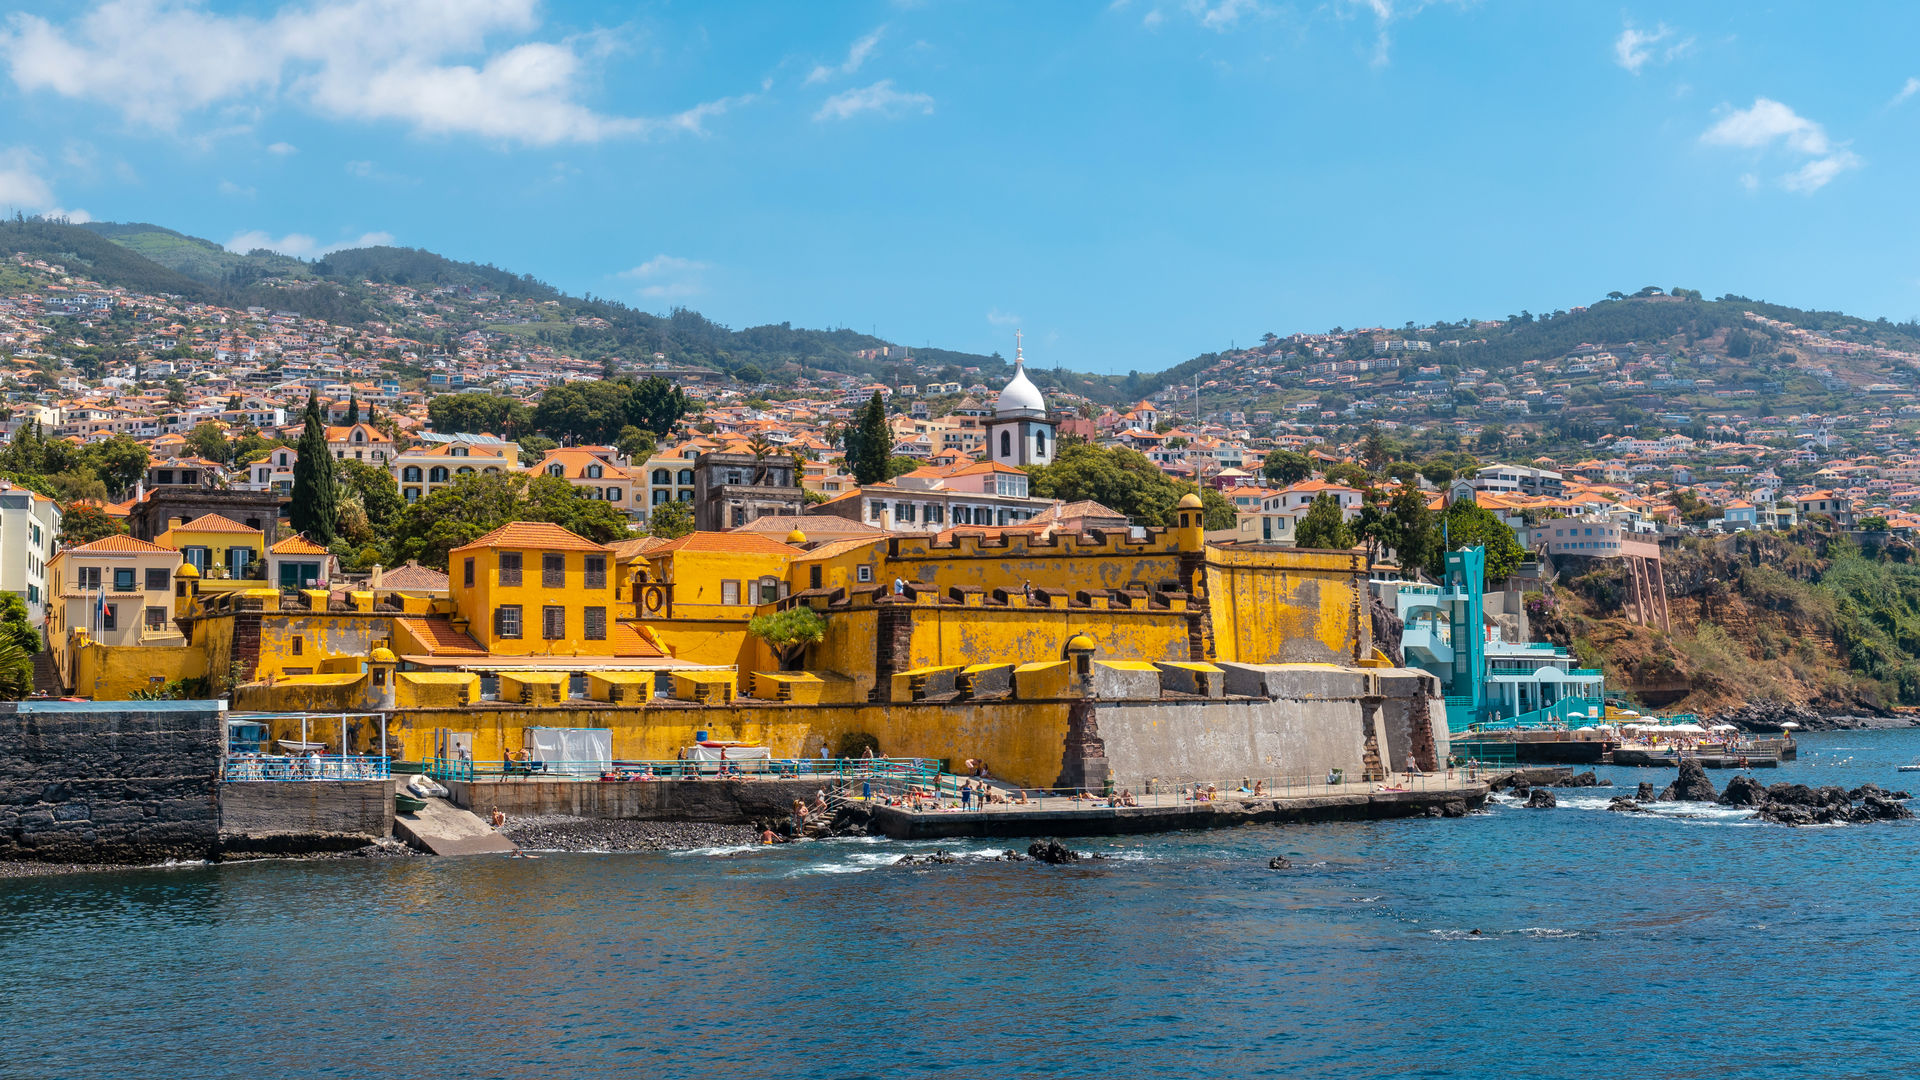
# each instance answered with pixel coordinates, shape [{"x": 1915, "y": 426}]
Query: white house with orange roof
[
  {"x": 594, "y": 471},
  {"x": 422, "y": 470},
  {"x": 115, "y": 591},
  {"x": 29, "y": 521}
]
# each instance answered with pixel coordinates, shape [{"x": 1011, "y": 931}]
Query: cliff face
[{"x": 1754, "y": 618}]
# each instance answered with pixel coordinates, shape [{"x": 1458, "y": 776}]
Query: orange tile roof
[
  {"x": 297, "y": 545},
  {"x": 440, "y": 638},
  {"x": 749, "y": 543},
  {"x": 628, "y": 641},
  {"x": 411, "y": 575},
  {"x": 533, "y": 534},
  {"x": 122, "y": 542},
  {"x": 215, "y": 523}
]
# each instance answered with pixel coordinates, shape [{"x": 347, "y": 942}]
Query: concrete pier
[{"x": 1166, "y": 812}]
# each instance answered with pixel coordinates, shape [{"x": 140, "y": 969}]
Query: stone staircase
[{"x": 46, "y": 675}]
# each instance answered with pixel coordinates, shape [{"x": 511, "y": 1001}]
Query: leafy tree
[
  {"x": 1438, "y": 473},
  {"x": 1118, "y": 478},
  {"x": 475, "y": 413},
  {"x": 1216, "y": 510},
  {"x": 899, "y": 464},
  {"x": 1287, "y": 467},
  {"x": 656, "y": 405},
  {"x": 1349, "y": 474},
  {"x": 1323, "y": 525},
  {"x": 670, "y": 520},
  {"x": 376, "y": 491},
  {"x": 18, "y": 642},
  {"x": 76, "y": 484},
  {"x": 1468, "y": 523},
  {"x": 209, "y": 440},
  {"x": 314, "y": 509},
  {"x": 83, "y": 523},
  {"x": 253, "y": 446},
  {"x": 551, "y": 499},
  {"x": 788, "y": 633},
  {"x": 534, "y": 447},
  {"x": 584, "y": 411},
  {"x": 233, "y": 402},
  {"x": 1876, "y": 523},
  {"x": 478, "y": 503},
  {"x": 1410, "y": 531},
  {"x": 176, "y": 393},
  {"x": 1375, "y": 450},
  {"x": 119, "y": 462},
  {"x": 636, "y": 444},
  {"x": 870, "y": 444}
]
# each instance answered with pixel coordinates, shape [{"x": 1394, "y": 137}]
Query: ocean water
[{"x": 1685, "y": 944}]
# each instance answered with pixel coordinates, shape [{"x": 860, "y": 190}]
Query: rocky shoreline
[
  {"x": 1780, "y": 804},
  {"x": 561, "y": 833},
  {"x": 384, "y": 848},
  {"x": 1771, "y": 717}
]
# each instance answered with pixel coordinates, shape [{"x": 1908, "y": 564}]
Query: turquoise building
[{"x": 1489, "y": 682}]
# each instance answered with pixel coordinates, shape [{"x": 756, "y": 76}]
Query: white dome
[{"x": 1021, "y": 397}]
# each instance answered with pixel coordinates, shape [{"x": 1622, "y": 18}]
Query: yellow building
[
  {"x": 531, "y": 589},
  {"x": 115, "y": 593},
  {"x": 216, "y": 546}
]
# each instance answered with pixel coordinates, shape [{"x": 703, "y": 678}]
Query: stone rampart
[
  {"x": 727, "y": 802},
  {"x": 126, "y": 782},
  {"x": 304, "y": 815}
]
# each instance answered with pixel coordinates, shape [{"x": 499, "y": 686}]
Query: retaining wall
[
  {"x": 726, "y": 802},
  {"x": 304, "y": 815},
  {"x": 128, "y": 782}
]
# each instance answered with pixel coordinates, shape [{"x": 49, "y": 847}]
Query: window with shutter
[
  {"x": 596, "y": 571},
  {"x": 553, "y": 622},
  {"x": 595, "y": 627},
  {"x": 509, "y": 568},
  {"x": 506, "y": 621},
  {"x": 157, "y": 579},
  {"x": 553, "y": 570},
  {"x": 466, "y": 574},
  {"x": 729, "y": 592}
]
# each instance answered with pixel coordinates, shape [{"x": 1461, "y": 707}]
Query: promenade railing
[
  {"x": 265, "y": 767},
  {"x": 945, "y": 791},
  {"x": 834, "y": 770}
]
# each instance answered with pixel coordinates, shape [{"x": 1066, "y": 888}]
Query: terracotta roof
[
  {"x": 639, "y": 545},
  {"x": 121, "y": 542},
  {"x": 215, "y": 523},
  {"x": 440, "y": 638},
  {"x": 839, "y": 547},
  {"x": 411, "y": 575},
  {"x": 534, "y": 534},
  {"x": 750, "y": 543},
  {"x": 628, "y": 641},
  {"x": 816, "y": 526},
  {"x": 297, "y": 545}
]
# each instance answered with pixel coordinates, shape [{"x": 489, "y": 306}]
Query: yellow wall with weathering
[
  {"x": 1274, "y": 606},
  {"x": 487, "y": 594},
  {"x": 114, "y": 672},
  {"x": 1021, "y": 741}
]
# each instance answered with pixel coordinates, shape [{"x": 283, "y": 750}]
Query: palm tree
[{"x": 762, "y": 450}]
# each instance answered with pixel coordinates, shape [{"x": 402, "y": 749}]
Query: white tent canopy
[{"x": 580, "y": 751}]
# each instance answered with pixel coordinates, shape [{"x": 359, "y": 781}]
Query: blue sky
[{"x": 1131, "y": 182}]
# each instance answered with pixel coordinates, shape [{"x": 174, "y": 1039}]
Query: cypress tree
[
  {"x": 874, "y": 449},
  {"x": 353, "y": 410},
  {"x": 315, "y": 505}
]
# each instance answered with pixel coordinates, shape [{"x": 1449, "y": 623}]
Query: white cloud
[
  {"x": 1768, "y": 125},
  {"x": 1765, "y": 122},
  {"x": 668, "y": 277},
  {"x": 857, "y": 55},
  {"x": 1636, "y": 48},
  {"x": 1911, "y": 87},
  {"x": 1815, "y": 174},
  {"x": 233, "y": 190},
  {"x": 282, "y": 149},
  {"x": 1152, "y": 19},
  {"x": 881, "y": 97},
  {"x": 1001, "y": 318},
  {"x": 1222, "y": 15},
  {"x": 157, "y": 61},
  {"x": 23, "y": 188},
  {"x": 300, "y": 245}
]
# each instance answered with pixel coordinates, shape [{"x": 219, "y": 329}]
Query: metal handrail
[
  {"x": 918, "y": 769},
  {"x": 943, "y": 794},
  {"x": 275, "y": 767}
]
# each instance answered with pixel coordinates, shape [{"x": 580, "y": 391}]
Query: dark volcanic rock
[
  {"x": 1865, "y": 790},
  {"x": 1011, "y": 855},
  {"x": 1052, "y": 852},
  {"x": 1644, "y": 793},
  {"x": 1453, "y": 808},
  {"x": 1542, "y": 799},
  {"x": 1279, "y": 862},
  {"x": 1585, "y": 779},
  {"x": 1770, "y": 716},
  {"x": 1626, "y": 806},
  {"x": 1879, "y": 808},
  {"x": 1691, "y": 786},
  {"x": 594, "y": 834},
  {"x": 1743, "y": 790},
  {"x": 938, "y": 858}
]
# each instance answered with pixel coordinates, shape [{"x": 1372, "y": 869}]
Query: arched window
[
  {"x": 438, "y": 475},
  {"x": 556, "y": 469},
  {"x": 663, "y": 476},
  {"x": 1006, "y": 443},
  {"x": 1039, "y": 444},
  {"x": 359, "y": 435},
  {"x": 464, "y": 470},
  {"x": 410, "y": 474}
]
